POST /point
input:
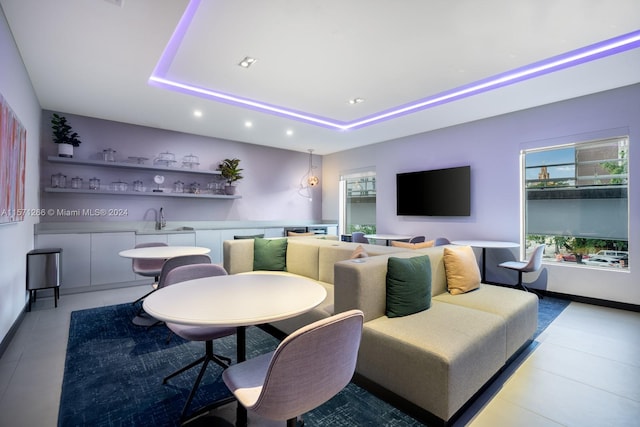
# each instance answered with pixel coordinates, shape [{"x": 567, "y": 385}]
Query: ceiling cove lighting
[{"x": 160, "y": 78}]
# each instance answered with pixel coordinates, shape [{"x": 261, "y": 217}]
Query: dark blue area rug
[{"x": 114, "y": 370}]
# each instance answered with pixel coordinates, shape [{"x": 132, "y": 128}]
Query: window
[
  {"x": 358, "y": 202},
  {"x": 576, "y": 201}
]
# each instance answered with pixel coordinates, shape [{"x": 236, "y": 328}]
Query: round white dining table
[
  {"x": 238, "y": 300},
  {"x": 163, "y": 252},
  {"x": 486, "y": 244}
]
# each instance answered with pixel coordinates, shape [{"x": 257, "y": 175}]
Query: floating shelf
[
  {"x": 126, "y": 165},
  {"x": 139, "y": 193}
]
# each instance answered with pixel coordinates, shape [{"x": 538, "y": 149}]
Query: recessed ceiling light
[
  {"x": 248, "y": 124},
  {"x": 355, "y": 101},
  {"x": 289, "y": 132},
  {"x": 197, "y": 113},
  {"x": 247, "y": 62}
]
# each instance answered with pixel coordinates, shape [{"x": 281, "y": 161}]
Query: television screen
[{"x": 441, "y": 192}]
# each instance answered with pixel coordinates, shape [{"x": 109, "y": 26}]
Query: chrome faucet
[{"x": 161, "y": 223}]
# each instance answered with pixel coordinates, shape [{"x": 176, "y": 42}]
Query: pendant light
[{"x": 309, "y": 180}]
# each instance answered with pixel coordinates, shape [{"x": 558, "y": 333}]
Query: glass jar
[
  {"x": 94, "y": 184},
  {"x": 194, "y": 188},
  {"x": 178, "y": 187},
  {"x": 58, "y": 180},
  {"x": 138, "y": 185},
  {"x": 76, "y": 182},
  {"x": 109, "y": 155}
]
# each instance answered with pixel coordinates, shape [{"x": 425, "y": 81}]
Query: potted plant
[
  {"x": 231, "y": 173},
  {"x": 64, "y": 136}
]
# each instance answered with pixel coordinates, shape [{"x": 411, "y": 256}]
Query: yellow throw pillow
[
  {"x": 359, "y": 252},
  {"x": 399, "y": 244},
  {"x": 461, "y": 268}
]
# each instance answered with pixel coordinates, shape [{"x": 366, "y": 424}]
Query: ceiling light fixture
[
  {"x": 308, "y": 180},
  {"x": 247, "y": 62},
  {"x": 355, "y": 101},
  {"x": 160, "y": 77},
  {"x": 248, "y": 124},
  {"x": 197, "y": 113}
]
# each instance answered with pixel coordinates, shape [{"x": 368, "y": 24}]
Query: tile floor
[{"x": 584, "y": 372}]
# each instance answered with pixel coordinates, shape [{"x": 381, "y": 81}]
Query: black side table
[{"x": 43, "y": 272}]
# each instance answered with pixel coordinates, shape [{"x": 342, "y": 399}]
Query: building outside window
[
  {"x": 358, "y": 203},
  {"x": 576, "y": 201}
]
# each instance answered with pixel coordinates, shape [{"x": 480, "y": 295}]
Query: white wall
[
  {"x": 17, "y": 238},
  {"x": 492, "y": 147},
  {"x": 269, "y": 189}
]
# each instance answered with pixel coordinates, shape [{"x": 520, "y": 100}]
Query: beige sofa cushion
[
  {"x": 519, "y": 309},
  {"x": 302, "y": 258},
  {"x": 461, "y": 267},
  {"x": 437, "y": 358}
]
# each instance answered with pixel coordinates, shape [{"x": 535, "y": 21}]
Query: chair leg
[
  {"x": 522, "y": 285},
  {"x": 293, "y": 422},
  {"x": 224, "y": 362}
]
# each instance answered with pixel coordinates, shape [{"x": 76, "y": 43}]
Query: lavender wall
[
  {"x": 492, "y": 148},
  {"x": 269, "y": 189},
  {"x": 16, "y": 88}
]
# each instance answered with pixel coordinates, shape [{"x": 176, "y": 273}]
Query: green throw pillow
[
  {"x": 408, "y": 285},
  {"x": 270, "y": 254}
]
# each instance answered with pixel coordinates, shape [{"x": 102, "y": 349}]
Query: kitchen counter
[{"x": 173, "y": 227}]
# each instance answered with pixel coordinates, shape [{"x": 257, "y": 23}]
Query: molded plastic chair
[
  {"x": 197, "y": 333},
  {"x": 417, "y": 239},
  {"x": 534, "y": 263},
  {"x": 441, "y": 241},
  {"x": 358, "y": 237},
  {"x": 307, "y": 369},
  {"x": 147, "y": 267},
  {"x": 172, "y": 263}
]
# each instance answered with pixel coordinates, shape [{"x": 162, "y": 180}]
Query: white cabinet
[
  {"x": 211, "y": 239},
  {"x": 75, "y": 261},
  {"x": 106, "y": 265},
  {"x": 181, "y": 239},
  {"x": 151, "y": 238}
]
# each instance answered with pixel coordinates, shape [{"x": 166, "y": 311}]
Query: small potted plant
[
  {"x": 231, "y": 173},
  {"x": 64, "y": 136}
]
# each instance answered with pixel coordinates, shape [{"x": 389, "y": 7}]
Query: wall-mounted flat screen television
[{"x": 440, "y": 192}]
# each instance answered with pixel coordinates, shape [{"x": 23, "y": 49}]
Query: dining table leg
[{"x": 241, "y": 336}]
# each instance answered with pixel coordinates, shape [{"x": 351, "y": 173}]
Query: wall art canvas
[{"x": 13, "y": 147}]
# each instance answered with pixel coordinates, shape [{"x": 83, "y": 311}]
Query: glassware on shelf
[
  {"x": 165, "y": 159},
  {"x": 119, "y": 186},
  {"x": 194, "y": 188},
  {"x": 58, "y": 180},
  {"x": 76, "y": 182},
  {"x": 94, "y": 184},
  {"x": 109, "y": 155},
  {"x": 138, "y": 185},
  {"x": 138, "y": 160},
  {"x": 178, "y": 187},
  {"x": 190, "y": 162}
]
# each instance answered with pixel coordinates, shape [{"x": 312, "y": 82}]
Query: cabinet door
[
  {"x": 210, "y": 239},
  {"x": 274, "y": 232},
  {"x": 181, "y": 239},
  {"x": 106, "y": 265},
  {"x": 151, "y": 238},
  {"x": 75, "y": 270}
]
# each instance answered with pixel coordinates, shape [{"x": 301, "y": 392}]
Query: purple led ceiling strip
[{"x": 579, "y": 56}]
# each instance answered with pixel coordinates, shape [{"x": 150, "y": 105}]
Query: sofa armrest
[
  {"x": 237, "y": 255},
  {"x": 361, "y": 284}
]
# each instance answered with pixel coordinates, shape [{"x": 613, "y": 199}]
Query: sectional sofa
[{"x": 434, "y": 361}]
